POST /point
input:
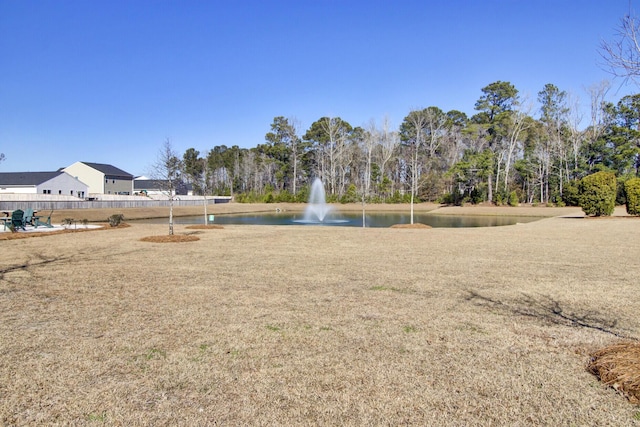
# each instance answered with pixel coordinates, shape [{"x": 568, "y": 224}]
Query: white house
[
  {"x": 102, "y": 178},
  {"x": 58, "y": 183}
]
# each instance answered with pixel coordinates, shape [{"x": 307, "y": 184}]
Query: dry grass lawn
[{"x": 295, "y": 325}]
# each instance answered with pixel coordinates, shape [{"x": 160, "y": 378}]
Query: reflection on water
[{"x": 352, "y": 219}]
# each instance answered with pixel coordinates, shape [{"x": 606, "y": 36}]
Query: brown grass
[
  {"x": 27, "y": 235},
  {"x": 618, "y": 366},
  {"x": 173, "y": 238},
  {"x": 204, "y": 227},
  {"x": 295, "y": 325},
  {"x": 415, "y": 225}
]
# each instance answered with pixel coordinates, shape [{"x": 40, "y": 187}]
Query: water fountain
[{"x": 317, "y": 211}]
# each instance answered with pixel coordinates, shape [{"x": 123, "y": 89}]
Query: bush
[
  {"x": 398, "y": 197},
  {"x": 632, "y": 192},
  {"x": 450, "y": 198},
  {"x": 513, "y": 199},
  {"x": 621, "y": 195},
  {"x": 477, "y": 196},
  {"x": 571, "y": 193},
  {"x": 598, "y": 193},
  {"x": 285, "y": 196},
  {"x": 115, "y": 220},
  {"x": 351, "y": 196}
]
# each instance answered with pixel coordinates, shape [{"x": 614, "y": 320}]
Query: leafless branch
[{"x": 622, "y": 56}]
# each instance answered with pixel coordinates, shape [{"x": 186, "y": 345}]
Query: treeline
[{"x": 501, "y": 154}]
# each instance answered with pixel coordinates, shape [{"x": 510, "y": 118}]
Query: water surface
[{"x": 352, "y": 219}]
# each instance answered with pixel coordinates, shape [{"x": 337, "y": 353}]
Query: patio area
[{"x": 54, "y": 227}]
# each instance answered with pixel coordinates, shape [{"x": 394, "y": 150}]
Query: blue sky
[{"x": 110, "y": 81}]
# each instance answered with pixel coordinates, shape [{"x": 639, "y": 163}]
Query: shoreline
[{"x": 101, "y": 215}]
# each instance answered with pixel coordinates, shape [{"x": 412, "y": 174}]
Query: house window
[
  {"x": 71, "y": 192},
  {"x": 113, "y": 181},
  {"x": 46, "y": 191},
  {"x": 60, "y": 192}
]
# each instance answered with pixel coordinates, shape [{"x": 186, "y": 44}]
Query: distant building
[
  {"x": 149, "y": 187},
  {"x": 102, "y": 178},
  {"x": 56, "y": 183}
]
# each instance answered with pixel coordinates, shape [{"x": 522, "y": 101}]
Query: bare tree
[
  {"x": 167, "y": 170},
  {"x": 598, "y": 116},
  {"x": 295, "y": 144},
  {"x": 203, "y": 180},
  {"x": 387, "y": 147},
  {"x": 518, "y": 125},
  {"x": 622, "y": 55},
  {"x": 413, "y": 135},
  {"x": 576, "y": 136}
]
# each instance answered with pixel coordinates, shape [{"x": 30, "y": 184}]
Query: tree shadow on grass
[
  {"x": 545, "y": 308},
  {"x": 27, "y": 265}
]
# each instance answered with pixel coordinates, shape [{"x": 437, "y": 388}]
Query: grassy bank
[{"x": 294, "y": 325}]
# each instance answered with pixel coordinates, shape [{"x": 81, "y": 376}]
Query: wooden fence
[{"x": 43, "y": 203}]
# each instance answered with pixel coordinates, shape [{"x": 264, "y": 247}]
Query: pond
[{"x": 352, "y": 219}]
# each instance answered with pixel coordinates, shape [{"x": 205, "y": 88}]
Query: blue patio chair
[
  {"x": 38, "y": 221},
  {"x": 28, "y": 216},
  {"x": 17, "y": 220}
]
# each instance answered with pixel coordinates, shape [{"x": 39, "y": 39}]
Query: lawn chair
[
  {"x": 28, "y": 217},
  {"x": 17, "y": 220},
  {"x": 39, "y": 222}
]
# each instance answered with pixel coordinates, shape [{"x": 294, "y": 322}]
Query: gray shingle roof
[
  {"x": 109, "y": 170},
  {"x": 149, "y": 184},
  {"x": 160, "y": 185},
  {"x": 26, "y": 178}
]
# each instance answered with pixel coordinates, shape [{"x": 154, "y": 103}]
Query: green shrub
[
  {"x": 477, "y": 196},
  {"x": 351, "y": 196},
  {"x": 115, "y": 220},
  {"x": 632, "y": 192},
  {"x": 513, "y": 199},
  {"x": 621, "y": 195},
  {"x": 571, "y": 193},
  {"x": 598, "y": 193},
  {"x": 284, "y": 196}
]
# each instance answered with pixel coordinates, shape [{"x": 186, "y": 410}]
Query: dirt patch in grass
[
  {"x": 171, "y": 238},
  {"x": 618, "y": 366},
  {"x": 204, "y": 227},
  {"x": 416, "y": 225}
]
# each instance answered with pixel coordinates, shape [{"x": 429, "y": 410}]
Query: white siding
[
  {"x": 64, "y": 185},
  {"x": 93, "y": 178},
  {"x": 18, "y": 189}
]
